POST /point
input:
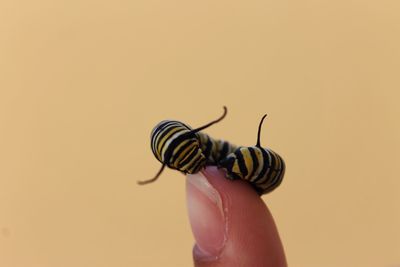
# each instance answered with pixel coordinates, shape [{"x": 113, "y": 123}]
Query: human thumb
[{"x": 231, "y": 224}]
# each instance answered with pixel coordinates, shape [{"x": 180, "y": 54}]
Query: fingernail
[{"x": 206, "y": 217}]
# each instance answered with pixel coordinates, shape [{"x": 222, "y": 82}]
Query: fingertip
[
  {"x": 251, "y": 237},
  {"x": 237, "y": 189},
  {"x": 206, "y": 216}
]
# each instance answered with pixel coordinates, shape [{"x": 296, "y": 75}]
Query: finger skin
[{"x": 252, "y": 236}]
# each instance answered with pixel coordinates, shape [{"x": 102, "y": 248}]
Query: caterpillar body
[
  {"x": 261, "y": 167},
  {"x": 178, "y": 146}
]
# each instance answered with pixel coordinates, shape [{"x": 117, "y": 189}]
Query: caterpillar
[
  {"x": 178, "y": 146},
  {"x": 262, "y": 167}
]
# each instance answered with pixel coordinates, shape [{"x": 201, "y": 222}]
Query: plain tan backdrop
[{"x": 82, "y": 83}]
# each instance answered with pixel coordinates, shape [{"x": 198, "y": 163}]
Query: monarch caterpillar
[
  {"x": 262, "y": 167},
  {"x": 180, "y": 147}
]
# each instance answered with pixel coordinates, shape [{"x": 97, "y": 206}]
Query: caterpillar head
[{"x": 231, "y": 165}]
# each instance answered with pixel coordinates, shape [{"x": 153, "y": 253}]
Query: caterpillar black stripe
[
  {"x": 262, "y": 167},
  {"x": 182, "y": 148}
]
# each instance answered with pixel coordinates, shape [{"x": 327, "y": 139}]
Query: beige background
[{"x": 82, "y": 83}]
